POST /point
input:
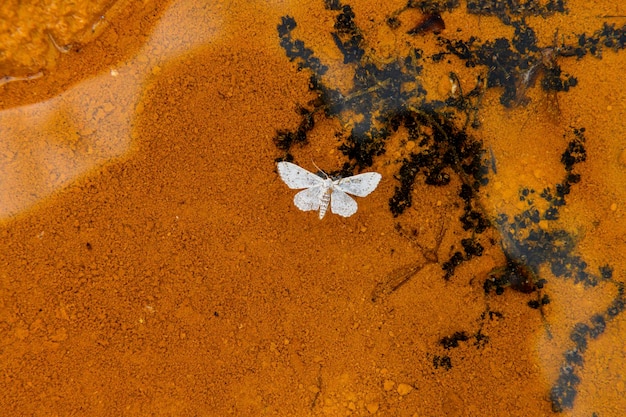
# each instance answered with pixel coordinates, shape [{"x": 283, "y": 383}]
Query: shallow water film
[{"x": 152, "y": 262}]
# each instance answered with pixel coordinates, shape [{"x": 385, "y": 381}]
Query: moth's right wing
[
  {"x": 296, "y": 177},
  {"x": 342, "y": 204},
  {"x": 309, "y": 199},
  {"x": 359, "y": 185}
]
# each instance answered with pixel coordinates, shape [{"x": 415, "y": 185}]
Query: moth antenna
[{"x": 320, "y": 169}]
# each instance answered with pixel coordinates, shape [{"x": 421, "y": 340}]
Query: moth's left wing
[
  {"x": 309, "y": 199},
  {"x": 342, "y": 204},
  {"x": 359, "y": 185},
  {"x": 296, "y": 177}
]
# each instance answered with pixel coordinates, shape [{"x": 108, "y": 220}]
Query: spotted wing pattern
[
  {"x": 342, "y": 204},
  {"x": 319, "y": 194},
  {"x": 359, "y": 185},
  {"x": 309, "y": 199},
  {"x": 296, "y": 177}
]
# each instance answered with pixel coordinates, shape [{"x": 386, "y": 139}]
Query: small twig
[
  {"x": 401, "y": 276},
  {"x": 62, "y": 49},
  {"x": 319, "y": 388},
  {"x": 8, "y": 78}
]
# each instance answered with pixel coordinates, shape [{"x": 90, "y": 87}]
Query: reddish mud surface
[{"x": 153, "y": 263}]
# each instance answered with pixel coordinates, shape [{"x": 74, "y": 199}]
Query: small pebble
[
  {"x": 404, "y": 389},
  {"x": 444, "y": 86},
  {"x": 372, "y": 408},
  {"x": 388, "y": 385}
]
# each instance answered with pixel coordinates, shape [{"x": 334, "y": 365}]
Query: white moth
[{"x": 319, "y": 192}]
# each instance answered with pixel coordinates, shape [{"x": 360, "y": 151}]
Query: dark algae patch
[{"x": 388, "y": 98}]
